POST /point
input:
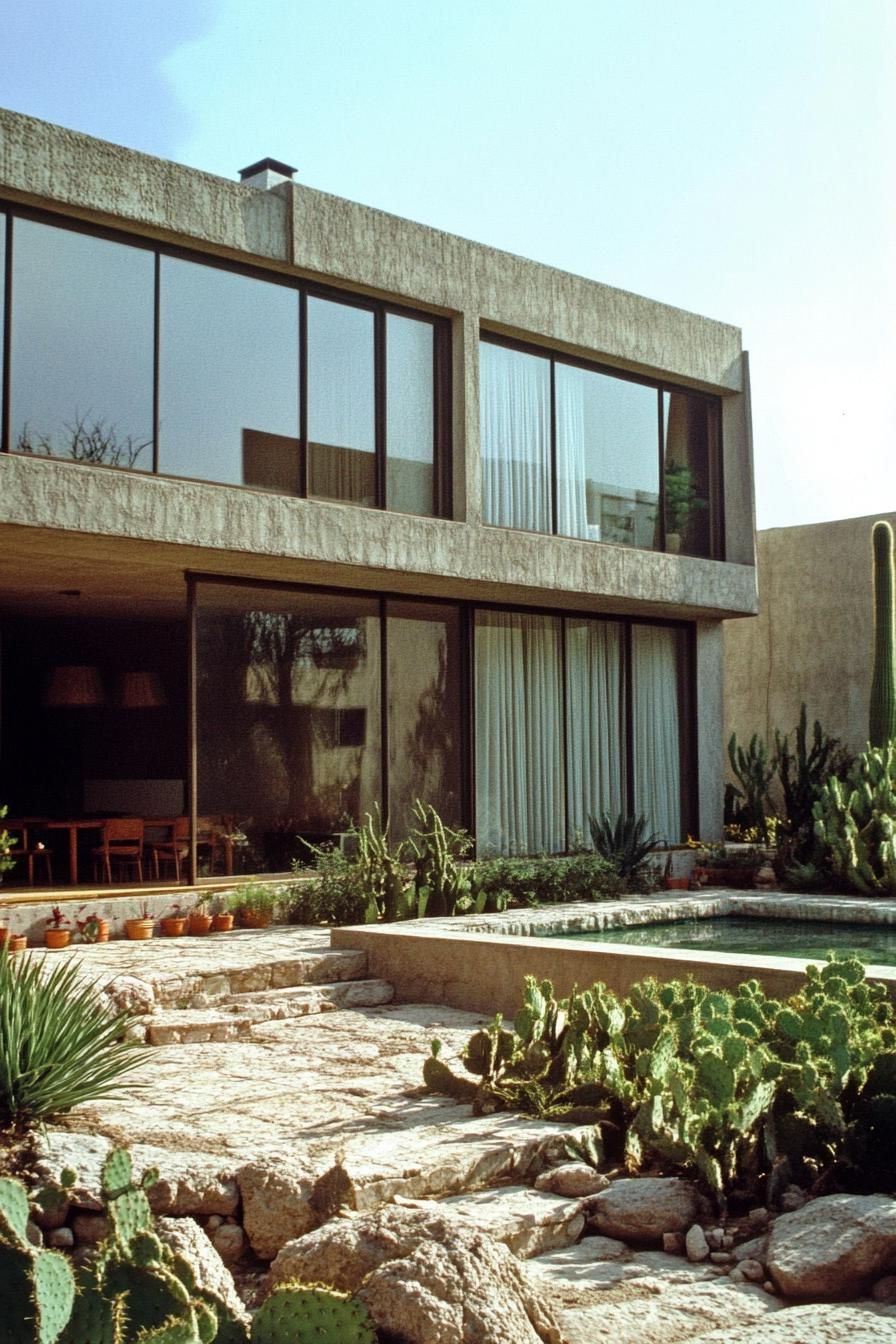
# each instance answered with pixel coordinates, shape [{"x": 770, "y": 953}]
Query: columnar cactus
[{"x": 882, "y": 709}]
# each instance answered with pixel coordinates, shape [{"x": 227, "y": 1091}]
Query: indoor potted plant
[
  {"x": 58, "y": 930},
  {"x": 92, "y": 928},
  {"x": 140, "y": 927},
  {"x": 681, "y": 501},
  {"x": 173, "y": 924}
]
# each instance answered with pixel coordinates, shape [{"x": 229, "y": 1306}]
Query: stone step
[
  {"x": 236, "y": 1018},
  {"x": 531, "y": 1222},
  {"x": 201, "y": 988}
]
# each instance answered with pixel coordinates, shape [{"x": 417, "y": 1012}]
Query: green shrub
[
  {"x": 624, "y": 843},
  {"x": 336, "y": 894},
  {"x": 60, "y": 1043}
]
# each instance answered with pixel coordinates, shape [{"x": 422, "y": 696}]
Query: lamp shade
[
  {"x": 72, "y": 686},
  {"x": 141, "y": 690}
]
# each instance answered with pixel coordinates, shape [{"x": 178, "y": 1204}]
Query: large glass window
[
  {"x": 519, "y": 734},
  {"x": 424, "y": 698},
  {"x": 607, "y": 464},
  {"x": 81, "y": 347},
  {"x": 228, "y": 377},
  {"x": 585, "y": 453},
  {"x": 114, "y": 343},
  {"x": 341, "y": 403},
  {"x": 690, "y": 426},
  {"x": 515, "y": 405},
  {"x": 410, "y": 411},
  {"x": 288, "y": 713}
]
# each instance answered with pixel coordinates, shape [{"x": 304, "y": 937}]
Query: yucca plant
[
  {"x": 60, "y": 1044},
  {"x": 623, "y": 842}
]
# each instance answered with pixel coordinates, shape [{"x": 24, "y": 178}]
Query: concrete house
[{"x": 305, "y": 507}]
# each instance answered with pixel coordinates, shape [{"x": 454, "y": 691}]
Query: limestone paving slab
[
  {"x": 237, "y": 1018},
  {"x": 181, "y": 971},
  {"x": 347, "y": 1085}
]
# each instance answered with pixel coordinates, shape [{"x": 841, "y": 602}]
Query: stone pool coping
[{"x": 478, "y": 962}]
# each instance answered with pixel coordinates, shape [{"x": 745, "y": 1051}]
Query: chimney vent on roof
[{"x": 266, "y": 173}]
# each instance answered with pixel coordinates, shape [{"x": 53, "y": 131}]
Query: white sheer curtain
[
  {"x": 595, "y": 706},
  {"x": 515, "y": 411},
  {"x": 656, "y": 729},
  {"x": 519, "y": 728},
  {"x": 572, "y": 484}
]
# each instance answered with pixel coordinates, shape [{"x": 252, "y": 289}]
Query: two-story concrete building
[{"x": 305, "y": 507}]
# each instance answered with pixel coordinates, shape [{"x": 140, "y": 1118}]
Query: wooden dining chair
[
  {"x": 173, "y": 849},
  {"x": 28, "y": 849},
  {"x": 122, "y": 844}
]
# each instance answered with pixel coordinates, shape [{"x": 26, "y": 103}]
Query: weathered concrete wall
[
  {"x": 241, "y": 531},
  {"x": 710, "y": 745},
  {"x": 812, "y": 640}
]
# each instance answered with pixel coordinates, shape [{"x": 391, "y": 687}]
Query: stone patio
[{"x": 250, "y": 1127}]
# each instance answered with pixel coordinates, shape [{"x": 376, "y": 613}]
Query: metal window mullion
[
  {"x": 379, "y": 403},
  {"x": 303, "y": 394},
  {"x": 156, "y": 356},
  {"x": 5, "y": 390}
]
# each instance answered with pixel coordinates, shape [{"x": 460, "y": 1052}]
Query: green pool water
[{"x": 809, "y": 939}]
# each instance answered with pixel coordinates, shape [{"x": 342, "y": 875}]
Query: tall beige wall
[{"x": 812, "y": 639}]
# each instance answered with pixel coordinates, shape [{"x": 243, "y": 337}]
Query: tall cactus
[{"x": 882, "y": 709}]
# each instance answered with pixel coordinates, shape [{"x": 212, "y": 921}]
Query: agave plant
[
  {"x": 623, "y": 842},
  {"x": 60, "y": 1043}
]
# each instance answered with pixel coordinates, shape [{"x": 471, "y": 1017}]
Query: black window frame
[
  {"x": 304, "y": 288},
  {"x": 661, "y": 386}
]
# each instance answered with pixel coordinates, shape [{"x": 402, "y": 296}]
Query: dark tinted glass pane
[
  {"x": 687, "y": 426},
  {"x": 288, "y": 701},
  {"x": 82, "y": 347},
  {"x": 228, "y": 377},
  {"x": 424, "y": 711},
  {"x": 409, "y": 415},
  {"x": 515, "y": 424},
  {"x": 607, "y": 458},
  {"x": 341, "y": 432}
]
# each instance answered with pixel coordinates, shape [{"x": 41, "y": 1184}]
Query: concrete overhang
[{"x": 125, "y": 540}]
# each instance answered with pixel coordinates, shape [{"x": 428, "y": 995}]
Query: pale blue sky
[{"x": 733, "y": 159}]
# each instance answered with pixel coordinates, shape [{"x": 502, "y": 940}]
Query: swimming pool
[{"x": 807, "y": 939}]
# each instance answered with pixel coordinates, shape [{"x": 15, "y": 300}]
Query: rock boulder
[
  {"x": 641, "y": 1210},
  {"x": 833, "y": 1247},
  {"x": 425, "y": 1275}
]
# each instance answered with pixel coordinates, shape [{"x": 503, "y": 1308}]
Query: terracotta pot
[
  {"x": 17, "y": 942},
  {"x": 5, "y": 935},
  {"x": 222, "y": 922},
  {"x": 56, "y": 938},
  {"x": 138, "y": 930},
  {"x": 174, "y": 926},
  {"x": 677, "y": 883},
  {"x": 254, "y": 919},
  {"x": 200, "y": 923},
  {"x": 100, "y": 931}
]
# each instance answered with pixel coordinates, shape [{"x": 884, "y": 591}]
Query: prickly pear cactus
[
  {"x": 301, "y": 1314},
  {"x": 40, "y": 1283},
  {"x": 855, "y": 822}
]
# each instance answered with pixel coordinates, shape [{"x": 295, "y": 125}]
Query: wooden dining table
[{"x": 73, "y": 826}]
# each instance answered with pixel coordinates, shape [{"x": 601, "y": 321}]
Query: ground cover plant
[
  {"x": 61, "y": 1043},
  {"x": 748, "y": 1092}
]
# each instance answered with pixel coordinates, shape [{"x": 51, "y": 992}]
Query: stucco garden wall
[{"x": 812, "y": 640}]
